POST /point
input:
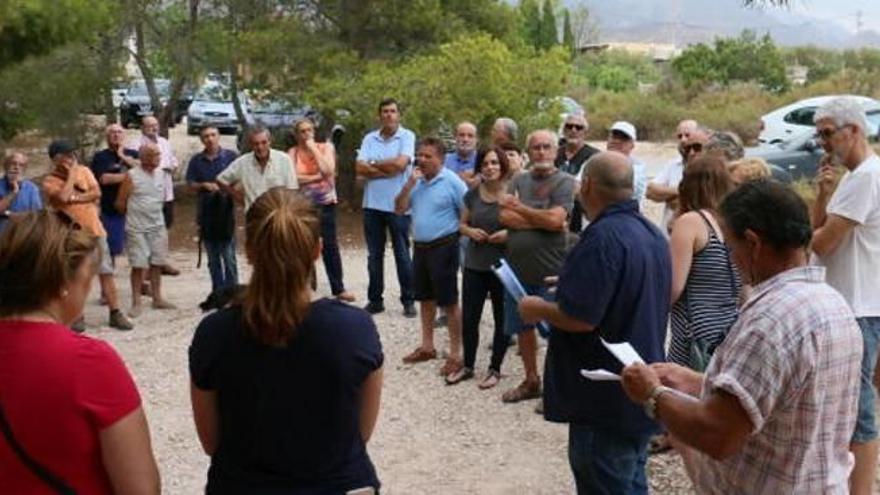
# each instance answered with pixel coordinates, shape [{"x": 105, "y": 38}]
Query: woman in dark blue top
[{"x": 285, "y": 390}]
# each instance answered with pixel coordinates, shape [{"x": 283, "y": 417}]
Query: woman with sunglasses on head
[
  {"x": 285, "y": 387},
  {"x": 481, "y": 224},
  {"x": 315, "y": 166},
  {"x": 70, "y": 413}
]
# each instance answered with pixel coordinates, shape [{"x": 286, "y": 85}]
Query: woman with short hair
[
  {"x": 70, "y": 413},
  {"x": 285, "y": 387}
]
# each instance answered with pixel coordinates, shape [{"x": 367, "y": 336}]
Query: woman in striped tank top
[{"x": 705, "y": 284}]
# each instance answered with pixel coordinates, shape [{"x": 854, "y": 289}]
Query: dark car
[
  {"x": 136, "y": 103},
  {"x": 798, "y": 157}
]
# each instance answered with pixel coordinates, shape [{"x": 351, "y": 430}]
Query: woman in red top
[{"x": 69, "y": 410}]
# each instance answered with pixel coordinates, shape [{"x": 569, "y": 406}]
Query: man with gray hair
[
  {"x": 504, "y": 130},
  {"x": 664, "y": 187},
  {"x": 614, "y": 285},
  {"x": 622, "y": 139},
  {"x": 535, "y": 213},
  {"x": 571, "y": 159},
  {"x": 846, "y": 239},
  {"x": 462, "y": 159},
  {"x": 259, "y": 170}
]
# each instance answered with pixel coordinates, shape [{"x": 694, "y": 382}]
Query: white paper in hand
[
  {"x": 624, "y": 352},
  {"x": 600, "y": 375}
]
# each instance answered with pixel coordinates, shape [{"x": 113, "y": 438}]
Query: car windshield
[
  {"x": 272, "y": 106},
  {"x": 139, "y": 88},
  {"x": 214, "y": 93}
]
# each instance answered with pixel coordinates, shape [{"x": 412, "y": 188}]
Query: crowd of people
[{"x": 764, "y": 383}]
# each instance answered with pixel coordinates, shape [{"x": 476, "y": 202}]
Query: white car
[
  {"x": 791, "y": 121},
  {"x": 212, "y": 106}
]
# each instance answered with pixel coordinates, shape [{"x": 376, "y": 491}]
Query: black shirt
[
  {"x": 289, "y": 417},
  {"x": 107, "y": 161},
  {"x": 573, "y": 167}
]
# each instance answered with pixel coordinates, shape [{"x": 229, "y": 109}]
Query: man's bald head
[
  {"x": 608, "y": 180},
  {"x": 149, "y": 154}
]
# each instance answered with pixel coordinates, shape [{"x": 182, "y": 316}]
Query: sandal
[
  {"x": 491, "y": 379},
  {"x": 524, "y": 391},
  {"x": 419, "y": 355},
  {"x": 451, "y": 366},
  {"x": 459, "y": 376}
]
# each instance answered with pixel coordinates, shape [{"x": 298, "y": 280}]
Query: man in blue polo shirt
[
  {"x": 436, "y": 196},
  {"x": 615, "y": 284},
  {"x": 383, "y": 161},
  {"x": 17, "y": 194},
  {"x": 216, "y": 208}
]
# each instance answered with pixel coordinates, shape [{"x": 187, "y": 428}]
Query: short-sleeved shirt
[
  {"x": 83, "y": 388},
  {"x": 143, "y": 212},
  {"x": 574, "y": 165},
  {"x": 481, "y": 256},
  {"x": 453, "y": 161},
  {"x": 379, "y": 193},
  {"x": 617, "y": 279},
  {"x": 214, "y": 208},
  {"x": 321, "y": 192},
  {"x": 436, "y": 205},
  {"x": 289, "y": 416},
  {"x": 255, "y": 181},
  {"x": 167, "y": 161},
  {"x": 670, "y": 176},
  {"x": 854, "y": 267},
  {"x": 792, "y": 360},
  {"x": 85, "y": 214},
  {"x": 640, "y": 179},
  {"x": 107, "y": 161},
  {"x": 535, "y": 253},
  {"x": 28, "y": 198}
]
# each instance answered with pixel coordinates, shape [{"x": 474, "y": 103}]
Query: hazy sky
[{"x": 842, "y": 12}]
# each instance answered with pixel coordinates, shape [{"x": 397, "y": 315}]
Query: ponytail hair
[{"x": 283, "y": 235}]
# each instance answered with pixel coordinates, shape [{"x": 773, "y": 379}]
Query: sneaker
[
  {"x": 119, "y": 321},
  {"x": 374, "y": 307},
  {"x": 409, "y": 310},
  {"x": 79, "y": 326}
]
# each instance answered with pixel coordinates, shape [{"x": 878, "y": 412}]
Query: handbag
[{"x": 35, "y": 467}]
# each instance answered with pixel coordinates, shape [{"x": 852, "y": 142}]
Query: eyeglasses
[
  {"x": 693, "y": 147},
  {"x": 576, "y": 127},
  {"x": 827, "y": 133}
]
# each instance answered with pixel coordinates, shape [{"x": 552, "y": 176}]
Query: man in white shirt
[
  {"x": 846, "y": 239},
  {"x": 258, "y": 171},
  {"x": 664, "y": 187},
  {"x": 622, "y": 139}
]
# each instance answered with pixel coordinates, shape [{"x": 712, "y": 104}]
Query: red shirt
[{"x": 58, "y": 390}]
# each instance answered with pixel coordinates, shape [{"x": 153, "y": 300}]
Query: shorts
[
  {"x": 866, "y": 421},
  {"x": 146, "y": 249},
  {"x": 114, "y": 224},
  {"x": 435, "y": 271},
  {"x": 513, "y": 324},
  {"x": 106, "y": 266}
]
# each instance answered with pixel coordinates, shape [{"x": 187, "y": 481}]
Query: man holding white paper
[{"x": 615, "y": 283}]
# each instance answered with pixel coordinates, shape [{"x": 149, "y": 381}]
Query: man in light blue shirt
[
  {"x": 464, "y": 157},
  {"x": 383, "y": 161},
  {"x": 17, "y": 194},
  {"x": 435, "y": 195}
]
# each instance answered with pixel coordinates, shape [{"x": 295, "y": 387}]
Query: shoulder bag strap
[{"x": 41, "y": 472}]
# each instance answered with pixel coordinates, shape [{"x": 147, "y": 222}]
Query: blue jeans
[
  {"x": 221, "y": 263},
  {"x": 330, "y": 249},
  {"x": 376, "y": 224},
  {"x": 513, "y": 324},
  {"x": 866, "y": 422},
  {"x": 605, "y": 462}
]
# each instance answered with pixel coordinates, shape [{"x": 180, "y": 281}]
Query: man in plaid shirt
[{"x": 776, "y": 409}]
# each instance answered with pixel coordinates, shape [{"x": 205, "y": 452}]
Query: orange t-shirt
[
  {"x": 85, "y": 214},
  {"x": 321, "y": 192}
]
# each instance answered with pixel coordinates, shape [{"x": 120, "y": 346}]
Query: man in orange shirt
[{"x": 71, "y": 188}]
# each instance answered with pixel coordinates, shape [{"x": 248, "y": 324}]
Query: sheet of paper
[
  {"x": 513, "y": 286},
  {"x": 624, "y": 352},
  {"x": 600, "y": 375}
]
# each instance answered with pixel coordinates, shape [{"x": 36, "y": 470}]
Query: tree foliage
[{"x": 615, "y": 70}]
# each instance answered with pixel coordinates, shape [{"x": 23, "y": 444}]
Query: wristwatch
[
  {"x": 650, "y": 405},
  {"x": 372, "y": 163}
]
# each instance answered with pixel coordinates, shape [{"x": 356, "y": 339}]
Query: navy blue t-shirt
[
  {"x": 617, "y": 278},
  {"x": 107, "y": 161},
  {"x": 289, "y": 416}
]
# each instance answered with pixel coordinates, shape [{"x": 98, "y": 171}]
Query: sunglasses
[
  {"x": 693, "y": 147},
  {"x": 827, "y": 133},
  {"x": 576, "y": 127}
]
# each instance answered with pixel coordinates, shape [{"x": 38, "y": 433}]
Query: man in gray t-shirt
[{"x": 535, "y": 213}]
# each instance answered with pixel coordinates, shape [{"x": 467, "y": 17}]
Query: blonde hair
[
  {"x": 283, "y": 236},
  {"x": 40, "y": 252},
  {"x": 749, "y": 169}
]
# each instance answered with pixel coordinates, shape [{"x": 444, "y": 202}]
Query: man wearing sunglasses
[
  {"x": 664, "y": 187},
  {"x": 622, "y": 139},
  {"x": 571, "y": 158},
  {"x": 846, "y": 240},
  {"x": 73, "y": 189}
]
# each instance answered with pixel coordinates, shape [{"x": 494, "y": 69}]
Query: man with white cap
[{"x": 622, "y": 139}]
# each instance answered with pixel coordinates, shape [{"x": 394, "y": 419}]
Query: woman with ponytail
[{"x": 285, "y": 388}]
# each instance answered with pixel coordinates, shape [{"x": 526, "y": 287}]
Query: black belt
[{"x": 446, "y": 239}]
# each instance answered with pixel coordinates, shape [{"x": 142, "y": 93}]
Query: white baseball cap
[{"x": 625, "y": 128}]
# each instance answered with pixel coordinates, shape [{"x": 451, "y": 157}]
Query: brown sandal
[
  {"x": 492, "y": 378},
  {"x": 459, "y": 376},
  {"x": 451, "y": 366},
  {"x": 419, "y": 355},
  {"x": 524, "y": 391}
]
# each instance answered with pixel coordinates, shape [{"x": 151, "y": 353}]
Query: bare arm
[
  {"x": 513, "y": 220},
  {"x": 393, "y": 166},
  {"x": 534, "y": 309},
  {"x": 128, "y": 457},
  {"x": 206, "y": 417},
  {"x": 828, "y": 237},
  {"x": 371, "y": 395},
  {"x": 682, "y": 244},
  {"x": 661, "y": 193},
  {"x": 122, "y": 196},
  {"x": 362, "y": 169},
  {"x": 108, "y": 179},
  {"x": 401, "y": 202},
  {"x": 6, "y": 201}
]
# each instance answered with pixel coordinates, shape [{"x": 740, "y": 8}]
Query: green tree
[
  {"x": 530, "y": 13},
  {"x": 742, "y": 59},
  {"x": 549, "y": 36},
  {"x": 567, "y": 33}
]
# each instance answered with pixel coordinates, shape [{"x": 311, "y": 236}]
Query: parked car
[
  {"x": 213, "y": 106},
  {"x": 790, "y": 121},
  {"x": 278, "y": 116},
  {"x": 136, "y": 103}
]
